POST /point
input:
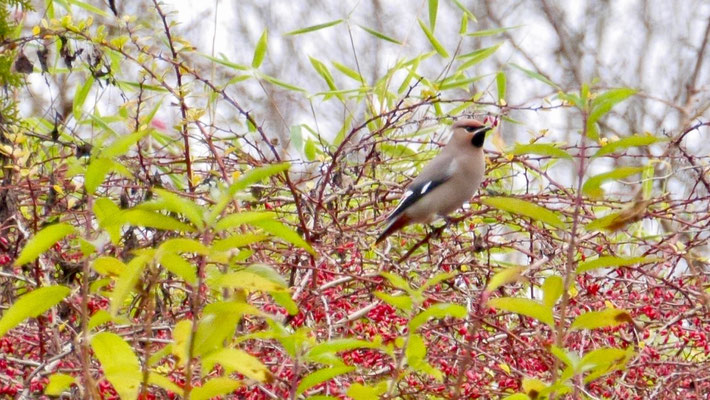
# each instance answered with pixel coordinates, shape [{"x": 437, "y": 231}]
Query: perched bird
[{"x": 448, "y": 181}]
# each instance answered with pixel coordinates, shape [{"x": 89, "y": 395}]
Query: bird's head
[{"x": 470, "y": 132}]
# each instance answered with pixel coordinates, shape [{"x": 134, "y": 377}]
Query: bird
[{"x": 446, "y": 182}]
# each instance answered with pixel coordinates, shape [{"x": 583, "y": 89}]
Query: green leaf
[
  {"x": 120, "y": 364},
  {"x": 378, "y": 35},
  {"x": 350, "y": 73},
  {"x": 260, "y": 50},
  {"x": 122, "y": 144},
  {"x": 436, "y": 279},
  {"x": 465, "y": 10},
  {"x": 314, "y": 28},
  {"x": 322, "y": 70},
  {"x": 527, "y": 307},
  {"x": 183, "y": 245},
  {"x": 602, "y": 319},
  {"x": 106, "y": 213},
  {"x": 492, "y": 32},
  {"x": 357, "y": 391},
  {"x": 433, "y": 9},
  {"x": 501, "y": 86},
  {"x": 543, "y": 149},
  {"x": 397, "y": 281},
  {"x": 179, "y": 266},
  {"x": 283, "y": 84},
  {"x": 256, "y": 175},
  {"x": 244, "y": 217},
  {"x": 552, "y": 290},
  {"x": 58, "y": 383},
  {"x": 416, "y": 357},
  {"x": 32, "y": 304},
  {"x": 163, "y": 382},
  {"x": 96, "y": 173},
  {"x": 42, "y": 241},
  {"x": 338, "y": 345},
  {"x": 439, "y": 310},
  {"x": 90, "y": 8},
  {"x": 237, "y": 241},
  {"x": 592, "y": 186},
  {"x": 503, "y": 277},
  {"x": 613, "y": 262},
  {"x": 310, "y": 150},
  {"x": 434, "y": 43},
  {"x": 215, "y": 387},
  {"x": 525, "y": 208},
  {"x": 178, "y": 204},
  {"x": 108, "y": 266},
  {"x": 82, "y": 91},
  {"x": 477, "y": 56},
  {"x": 320, "y": 376},
  {"x": 249, "y": 280},
  {"x": 239, "y": 361},
  {"x": 224, "y": 61},
  {"x": 604, "y": 102},
  {"x": 517, "y": 396},
  {"x": 126, "y": 282},
  {"x": 149, "y": 219},
  {"x": 100, "y": 317},
  {"x": 538, "y": 76},
  {"x": 602, "y": 361},
  {"x": 282, "y": 231},
  {"x": 625, "y": 143},
  {"x": 403, "y": 302}
]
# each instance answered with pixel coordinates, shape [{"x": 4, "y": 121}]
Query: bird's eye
[{"x": 471, "y": 128}]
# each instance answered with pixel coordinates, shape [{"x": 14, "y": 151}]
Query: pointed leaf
[
  {"x": 432, "y": 39},
  {"x": 537, "y": 76},
  {"x": 119, "y": 363},
  {"x": 181, "y": 205},
  {"x": 149, "y": 219},
  {"x": 32, "y": 304},
  {"x": 552, "y": 290},
  {"x": 525, "y": 208},
  {"x": 244, "y": 217},
  {"x": 58, "y": 383},
  {"x": 180, "y": 267},
  {"x": 314, "y": 28},
  {"x": 601, "y": 319},
  {"x": 433, "y": 9},
  {"x": 96, "y": 173},
  {"x": 592, "y": 186},
  {"x": 440, "y": 310},
  {"x": 126, "y": 282},
  {"x": 492, "y": 32},
  {"x": 82, "y": 91},
  {"x": 378, "y": 35},
  {"x": 625, "y": 143},
  {"x": 613, "y": 262},
  {"x": 320, "y": 376},
  {"x": 504, "y": 277},
  {"x": 282, "y": 231},
  {"x": 260, "y": 50},
  {"x": 527, "y": 307},
  {"x": 42, "y": 241},
  {"x": 239, "y": 361},
  {"x": 215, "y": 387},
  {"x": 544, "y": 149}
]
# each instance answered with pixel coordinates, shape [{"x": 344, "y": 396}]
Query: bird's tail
[{"x": 393, "y": 226}]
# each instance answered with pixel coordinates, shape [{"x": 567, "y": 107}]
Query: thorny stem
[
  {"x": 569, "y": 265},
  {"x": 180, "y": 96}
]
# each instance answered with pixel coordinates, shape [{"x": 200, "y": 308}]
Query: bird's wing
[{"x": 415, "y": 192}]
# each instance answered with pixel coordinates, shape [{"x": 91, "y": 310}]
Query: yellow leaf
[
  {"x": 35, "y": 30},
  {"x": 505, "y": 367}
]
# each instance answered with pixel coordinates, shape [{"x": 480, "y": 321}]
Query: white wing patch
[{"x": 424, "y": 189}]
